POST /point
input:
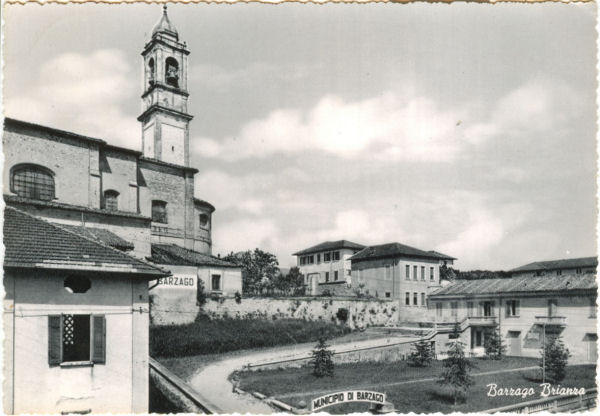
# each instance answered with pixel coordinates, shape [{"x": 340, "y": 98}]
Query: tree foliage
[
  {"x": 456, "y": 371},
  {"x": 421, "y": 354},
  {"x": 494, "y": 344},
  {"x": 259, "y": 270},
  {"x": 322, "y": 359},
  {"x": 556, "y": 360}
]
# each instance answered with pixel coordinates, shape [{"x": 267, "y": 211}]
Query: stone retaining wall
[{"x": 361, "y": 312}]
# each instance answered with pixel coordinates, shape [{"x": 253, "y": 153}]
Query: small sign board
[{"x": 347, "y": 397}]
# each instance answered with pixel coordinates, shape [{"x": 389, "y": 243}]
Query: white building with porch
[{"x": 527, "y": 311}]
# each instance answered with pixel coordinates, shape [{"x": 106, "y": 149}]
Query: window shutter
[
  {"x": 99, "y": 339},
  {"x": 507, "y": 308},
  {"x": 518, "y": 304},
  {"x": 54, "y": 340}
]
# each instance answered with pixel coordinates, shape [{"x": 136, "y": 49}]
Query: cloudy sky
[{"x": 468, "y": 129}]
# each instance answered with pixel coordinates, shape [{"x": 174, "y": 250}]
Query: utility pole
[{"x": 543, "y": 353}]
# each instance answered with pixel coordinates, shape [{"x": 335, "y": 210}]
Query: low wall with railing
[
  {"x": 381, "y": 353},
  {"x": 178, "y": 392}
]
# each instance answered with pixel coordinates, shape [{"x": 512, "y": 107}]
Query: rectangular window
[
  {"x": 578, "y": 271},
  {"x": 388, "y": 295},
  {"x": 216, "y": 282},
  {"x": 438, "y": 309},
  {"x": 159, "y": 212},
  {"x": 326, "y": 276},
  {"x": 552, "y": 307},
  {"x": 415, "y": 298},
  {"x": 431, "y": 274},
  {"x": 348, "y": 272},
  {"x": 335, "y": 275},
  {"x": 336, "y": 255},
  {"x": 415, "y": 268},
  {"x": 488, "y": 308},
  {"x": 593, "y": 308},
  {"x": 388, "y": 272},
  {"x": 318, "y": 258},
  {"x": 422, "y": 299},
  {"x": 407, "y": 299},
  {"x": 512, "y": 308},
  {"x": 407, "y": 272},
  {"x": 559, "y": 272},
  {"x": 454, "y": 308},
  {"x": 422, "y": 272},
  {"x": 311, "y": 259},
  {"x": 327, "y": 257},
  {"x": 470, "y": 312},
  {"x": 76, "y": 339}
]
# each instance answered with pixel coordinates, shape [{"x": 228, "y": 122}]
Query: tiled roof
[
  {"x": 31, "y": 242},
  {"x": 441, "y": 256},
  {"x": 558, "y": 264},
  {"x": 519, "y": 284},
  {"x": 172, "y": 254},
  {"x": 394, "y": 250},
  {"x": 18, "y": 200},
  {"x": 99, "y": 234},
  {"x": 330, "y": 245}
]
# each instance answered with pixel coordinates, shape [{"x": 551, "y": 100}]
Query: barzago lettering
[
  {"x": 346, "y": 397},
  {"x": 176, "y": 281},
  {"x": 546, "y": 390}
]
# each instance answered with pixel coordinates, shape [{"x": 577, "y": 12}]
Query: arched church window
[
  {"x": 204, "y": 221},
  {"x": 151, "y": 71},
  {"x": 159, "y": 211},
  {"x": 32, "y": 181},
  {"x": 172, "y": 72},
  {"x": 111, "y": 200}
]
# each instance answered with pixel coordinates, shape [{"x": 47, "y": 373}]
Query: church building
[{"x": 139, "y": 206}]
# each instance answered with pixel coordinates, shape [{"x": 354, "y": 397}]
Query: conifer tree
[
  {"x": 494, "y": 344},
  {"x": 555, "y": 358},
  {"x": 322, "y": 359},
  {"x": 421, "y": 354},
  {"x": 456, "y": 371}
]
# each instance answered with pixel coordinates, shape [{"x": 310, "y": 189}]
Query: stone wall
[{"x": 361, "y": 313}]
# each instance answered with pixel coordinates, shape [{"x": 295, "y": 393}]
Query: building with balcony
[
  {"x": 526, "y": 310},
  {"x": 326, "y": 266},
  {"x": 401, "y": 273},
  {"x": 557, "y": 267}
]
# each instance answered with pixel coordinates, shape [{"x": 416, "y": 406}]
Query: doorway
[{"x": 514, "y": 343}]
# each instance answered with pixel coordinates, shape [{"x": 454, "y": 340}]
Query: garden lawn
[
  {"x": 206, "y": 336},
  {"x": 294, "y": 385}
]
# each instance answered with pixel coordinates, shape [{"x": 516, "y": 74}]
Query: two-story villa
[
  {"x": 527, "y": 310},
  {"x": 326, "y": 266},
  {"x": 400, "y": 272}
]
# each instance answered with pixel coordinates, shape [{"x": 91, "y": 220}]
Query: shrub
[
  {"x": 200, "y": 293},
  {"x": 555, "y": 357},
  {"x": 342, "y": 314},
  {"x": 494, "y": 344},
  {"x": 238, "y": 297},
  {"x": 322, "y": 359},
  {"x": 326, "y": 293},
  {"x": 421, "y": 354}
]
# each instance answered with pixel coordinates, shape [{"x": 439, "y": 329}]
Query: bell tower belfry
[{"x": 165, "y": 120}]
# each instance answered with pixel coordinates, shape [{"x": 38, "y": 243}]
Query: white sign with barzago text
[{"x": 347, "y": 397}]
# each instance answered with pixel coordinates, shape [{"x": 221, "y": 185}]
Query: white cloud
[
  {"x": 383, "y": 127},
  {"x": 83, "y": 93}
]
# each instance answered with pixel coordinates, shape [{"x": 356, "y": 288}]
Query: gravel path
[{"x": 212, "y": 380}]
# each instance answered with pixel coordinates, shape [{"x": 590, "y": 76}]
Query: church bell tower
[{"x": 165, "y": 120}]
